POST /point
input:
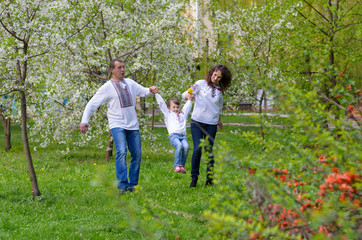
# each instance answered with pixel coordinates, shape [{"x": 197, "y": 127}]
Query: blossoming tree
[
  {"x": 30, "y": 30},
  {"x": 147, "y": 35},
  {"x": 55, "y": 54}
]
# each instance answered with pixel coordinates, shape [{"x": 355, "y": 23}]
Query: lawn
[
  {"x": 80, "y": 200},
  {"x": 247, "y": 118}
]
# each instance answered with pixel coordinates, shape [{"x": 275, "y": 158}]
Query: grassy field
[
  {"x": 80, "y": 200},
  {"x": 237, "y": 117}
]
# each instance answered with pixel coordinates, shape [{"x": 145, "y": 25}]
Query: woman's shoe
[
  {"x": 209, "y": 182},
  {"x": 183, "y": 170},
  {"x": 177, "y": 169}
]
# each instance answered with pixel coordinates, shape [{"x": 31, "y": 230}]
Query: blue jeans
[
  {"x": 198, "y": 131},
  {"x": 123, "y": 138},
  {"x": 179, "y": 142}
]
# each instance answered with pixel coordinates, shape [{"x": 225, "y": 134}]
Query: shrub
[{"x": 312, "y": 191}]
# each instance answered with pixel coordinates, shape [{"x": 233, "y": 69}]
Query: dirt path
[{"x": 226, "y": 124}]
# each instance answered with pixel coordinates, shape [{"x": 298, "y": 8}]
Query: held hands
[
  {"x": 83, "y": 127},
  {"x": 153, "y": 89},
  {"x": 190, "y": 96}
]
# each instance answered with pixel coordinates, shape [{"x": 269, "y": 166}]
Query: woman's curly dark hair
[{"x": 226, "y": 77}]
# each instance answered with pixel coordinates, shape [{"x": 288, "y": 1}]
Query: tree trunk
[
  {"x": 153, "y": 111},
  {"x": 261, "y": 115},
  {"x": 24, "y": 134},
  {"x": 333, "y": 25},
  {"x": 153, "y": 121},
  {"x": 6, "y": 125},
  {"x": 109, "y": 151},
  {"x": 332, "y": 78}
]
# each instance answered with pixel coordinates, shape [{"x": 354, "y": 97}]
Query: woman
[{"x": 205, "y": 118}]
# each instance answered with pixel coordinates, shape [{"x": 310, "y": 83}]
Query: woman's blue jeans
[
  {"x": 198, "y": 131},
  {"x": 123, "y": 138},
  {"x": 179, "y": 142}
]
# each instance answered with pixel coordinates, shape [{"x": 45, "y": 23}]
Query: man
[{"x": 120, "y": 94}]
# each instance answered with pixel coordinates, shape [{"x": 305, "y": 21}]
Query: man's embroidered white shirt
[{"x": 121, "y": 103}]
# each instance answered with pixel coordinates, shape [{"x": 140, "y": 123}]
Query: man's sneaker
[
  {"x": 122, "y": 191},
  {"x": 132, "y": 189},
  {"x": 177, "y": 169},
  {"x": 183, "y": 170},
  {"x": 193, "y": 183}
]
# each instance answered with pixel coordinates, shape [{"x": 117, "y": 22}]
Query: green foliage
[{"x": 300, "y": 53}]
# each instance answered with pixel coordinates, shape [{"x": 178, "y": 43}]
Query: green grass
[
  {"x": 236, "y": 117},
  {"x": 80, "y": 200},
  {"x": 253, "y": 119}
]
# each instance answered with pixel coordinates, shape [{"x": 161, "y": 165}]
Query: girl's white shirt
[
  {"x": 208, "y": 103},
  {"x": 122, "y": 117},
  {"x": 175, "y": 123}
]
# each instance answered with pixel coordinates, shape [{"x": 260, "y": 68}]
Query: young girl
[
  {"x": 176, "y": 126},
  {"x": 205, "y": 117}
]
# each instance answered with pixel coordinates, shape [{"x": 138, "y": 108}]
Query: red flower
[
  {"x": 323, "y": 229},
  {"x": 251, "y": 171},
  {"x": 322, "y": 159},
  {"x": 283, "y": 178},
  {"x": 254, "y": 236},
  {"x": 350, "y": 108}
]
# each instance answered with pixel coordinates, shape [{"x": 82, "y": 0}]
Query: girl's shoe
[
  {"x": 183, "y": 170},
  {"x": 177, "y": 169}
]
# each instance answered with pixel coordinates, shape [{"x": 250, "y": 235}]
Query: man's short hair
[{"x": 112, "y": 63}]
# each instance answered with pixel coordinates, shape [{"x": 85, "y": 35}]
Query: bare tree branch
[
  {"x": 105, "y": 35},
  {"x": 133, "y": 50},
  {"x": 10, "y": 91},
  {"x": 317, "y": 11},
  {"x": 188, "y": 215},
  {"x": 312, "y": 22},
  {"x": 12, "y": 33},
  {"x": 348, "y": 25},
  {"x": 63, "y": 105},
  {"x": 32, "y": 16},
  {"x": 332, "y": 101},
  {"x": 350, "y": 9},
  {"x": 98, "y": 76}
]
